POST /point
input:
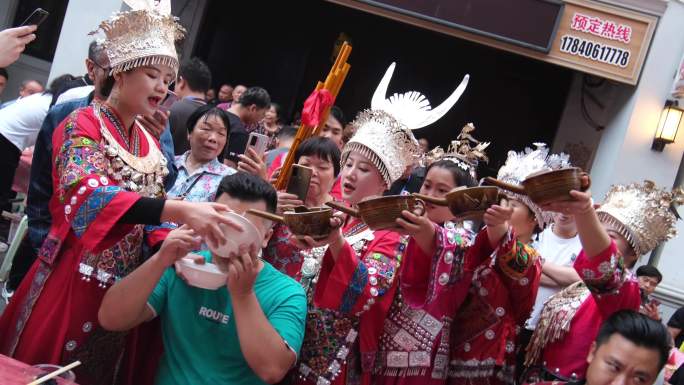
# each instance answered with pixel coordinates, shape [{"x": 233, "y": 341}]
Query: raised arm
[
  {"x": 519, "y": 267},
  {"x": 424, "y": 276},
  {"x": 269, "y": 352},
  {"x": 593, "y": 235},
  {"x": 599, "y": 264},
  {"x": 125, "y": 304},
  {"x": 496, "y": 218}
]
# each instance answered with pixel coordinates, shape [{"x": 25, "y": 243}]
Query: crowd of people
[{"x": 140, "y": 164}]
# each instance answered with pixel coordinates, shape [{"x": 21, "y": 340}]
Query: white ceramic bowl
[
  {"x": 234, "y": 239},
  {"x": 205, "y": 276}
]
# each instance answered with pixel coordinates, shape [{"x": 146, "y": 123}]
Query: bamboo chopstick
[{"x": 55, "y": 373}]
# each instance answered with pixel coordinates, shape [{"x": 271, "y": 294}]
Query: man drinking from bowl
[{"x": 247, "y": 332}]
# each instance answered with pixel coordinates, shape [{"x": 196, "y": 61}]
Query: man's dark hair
[
  {"x": 649, "y": 271},
  {"x": 248, "y": 188},
  {"x": 92, "y": 50},
  {"x": 197, "y": 74},
  {"x": 256, "y": 96},
  {"x": 337, "y": 113},
  {"x": 63, "y": 83},
  {"x": 3, "y": 72},
  {"x": 639, "y": 329},
  {"x": 321, "y": 147},
  {"x": 96, "y": 53},
  {"x": 287, "y": 132},
  {"x": 205, "y": 112},
  {"x": 107, "y": 86}
]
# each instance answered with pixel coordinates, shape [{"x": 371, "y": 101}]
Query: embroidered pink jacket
[
  {"x": 414, "y": 346},
  {"x": 612, "y": 287},
  {"x": 501, "y": 296}
]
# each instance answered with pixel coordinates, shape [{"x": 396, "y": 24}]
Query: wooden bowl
[
  {"x": 312, "y": 221},
  {"x": 554, "y": 186},
  {"x": 547, "y": 186},
  {"x": 466, "y": 203},
  {"x": 381, "y": 213},
  {"x": 315, "y": 222}
]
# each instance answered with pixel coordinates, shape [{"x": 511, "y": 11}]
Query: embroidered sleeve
[
  {"x": 281, "y": 253},
  {"x": 519, "y": 267},
  {"x": 353, "y": 283},
  {"x": 610, "y": 282},
  {"x": 602, "y": 273},
  {"x": 156, "y": 234},
  {"x": 91, "y": 203},
  {"x": 424, "y": 277},
  {"x": 514, "y": 258}
]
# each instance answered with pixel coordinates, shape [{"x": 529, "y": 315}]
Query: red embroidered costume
[
  {"x": 415, "y": 344},
  {"x": 354, "y": 292},
  {"x": 500, "y": 299},
  {"x": 53, "y": 315},
  {"x": 570, "y": 320},
  {"x": 350, "y": 301}
]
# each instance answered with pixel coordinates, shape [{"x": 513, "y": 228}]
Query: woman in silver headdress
[
  {"x": 108, "y": 173},
  {"x": 632, "y": 221},
  {"x": 352, "y": 281}
]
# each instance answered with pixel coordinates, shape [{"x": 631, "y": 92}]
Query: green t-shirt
[{"x": 201, "y": 344}]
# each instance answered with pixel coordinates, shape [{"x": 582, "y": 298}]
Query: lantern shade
[{"x": 668, "y": 125}]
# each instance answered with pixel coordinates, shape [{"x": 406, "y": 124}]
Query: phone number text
[{"x": 594, "y": 51}]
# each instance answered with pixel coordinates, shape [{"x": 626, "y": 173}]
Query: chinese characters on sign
[
  {"x": 604, "y": 28},
  {"x": 597, "y": 51}
]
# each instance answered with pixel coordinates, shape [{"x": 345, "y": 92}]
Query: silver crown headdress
[
  {"x": 384, "y": 132},
  {"x": 143, "y": 36},
  {"x": 466, "y": 151},
  {"x": 642, "y": 213},
  {"x": 520, "y": 165}
]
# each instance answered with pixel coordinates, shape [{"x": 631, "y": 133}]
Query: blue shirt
[
  {"x": 200, "y": 185},
  {"x": 40, "y": 183}
]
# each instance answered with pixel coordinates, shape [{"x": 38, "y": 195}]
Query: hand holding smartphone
[
  {"x": 36, "y": 17},
  {"x": 299, "y": 181},
  {"x": 258, "y": 142}
]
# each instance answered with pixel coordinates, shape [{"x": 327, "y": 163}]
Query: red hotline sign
[{"x": 606, "y": 29}]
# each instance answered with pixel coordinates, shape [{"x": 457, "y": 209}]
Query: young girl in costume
[{"x": 504, "y": 284}]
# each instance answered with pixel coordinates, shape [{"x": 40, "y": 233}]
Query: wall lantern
[{"x": 670, "y": 120}]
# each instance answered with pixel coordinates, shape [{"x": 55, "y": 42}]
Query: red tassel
[{"x": 314, "y": 106}]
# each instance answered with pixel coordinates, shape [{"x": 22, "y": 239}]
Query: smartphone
[
  {"x": 299, "y": 181},
  {"x": 36, "y": 17},
  {"x": 258, "y": 142},
  {"x": 170, "y": 99}
]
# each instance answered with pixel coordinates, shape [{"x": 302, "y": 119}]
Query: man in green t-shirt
[{"x": 248, "y": 332}]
